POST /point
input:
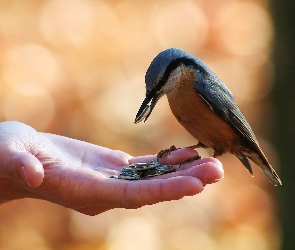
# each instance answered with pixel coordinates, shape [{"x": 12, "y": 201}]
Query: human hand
[{"x": 75, "y": 174}]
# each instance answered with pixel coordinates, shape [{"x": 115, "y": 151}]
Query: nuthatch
[{"x": 204, "y": 106}]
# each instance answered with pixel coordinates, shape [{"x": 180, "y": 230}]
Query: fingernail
[
  {"x": 214, "y": 180},
  {"x": 24, "y": 176}
]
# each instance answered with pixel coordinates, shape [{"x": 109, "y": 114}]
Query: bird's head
[{"x": 157, "y": 78}]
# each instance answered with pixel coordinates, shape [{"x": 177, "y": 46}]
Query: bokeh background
[{"x": 76, "y": 68}]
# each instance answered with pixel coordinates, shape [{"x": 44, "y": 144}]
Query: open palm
[{"x": 75, "y": 174}]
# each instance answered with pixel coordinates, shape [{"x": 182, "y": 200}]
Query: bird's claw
[
  {"x": 196, "y": 157},
  {"x": 166, "y": 151}
]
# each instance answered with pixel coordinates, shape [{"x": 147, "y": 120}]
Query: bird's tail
[{"x": 262, "y": 162}]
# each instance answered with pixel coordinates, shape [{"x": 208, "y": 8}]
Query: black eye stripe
[{"x": 172, "y": 66}]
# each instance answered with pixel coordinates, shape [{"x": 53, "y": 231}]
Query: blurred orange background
[{"x": 76, "y": 68}]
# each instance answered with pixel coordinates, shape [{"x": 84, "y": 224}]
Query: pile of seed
[{"x": 143, "y": 170}]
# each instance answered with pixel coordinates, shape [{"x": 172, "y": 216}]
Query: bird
[{"x": 204, "y": 106}]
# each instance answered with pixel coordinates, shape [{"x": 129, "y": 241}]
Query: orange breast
[{"x": 195, "y": 115}]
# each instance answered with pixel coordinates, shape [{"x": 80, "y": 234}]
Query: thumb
[{"x": 26, "y": 168}]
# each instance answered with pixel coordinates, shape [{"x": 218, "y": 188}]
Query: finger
[
  {"x": 208, "y": 170},
  {"x": 27, "y": 168},
  {"x": 177, "y": 156},
  {"x": 173, "y": 158},
  {"x": 200, "y": 161},
  {"x": 134, "y": 194},
  {"x": 145, "y": 158},
  {"x": 95, "y": 210}
]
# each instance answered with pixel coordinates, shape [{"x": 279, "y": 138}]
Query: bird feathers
[{"x": 218, "y": 97}]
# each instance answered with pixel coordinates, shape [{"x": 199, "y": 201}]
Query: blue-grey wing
[{"x": 221, "y": 100}]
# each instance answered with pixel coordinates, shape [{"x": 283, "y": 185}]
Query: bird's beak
[{"x": 145, "y": 109}]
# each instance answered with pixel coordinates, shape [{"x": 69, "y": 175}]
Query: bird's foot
[
  {"x": 196, "y": 157},
  {"x": 166, "y": 151},
  {"x": 199, "y": 145}
]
